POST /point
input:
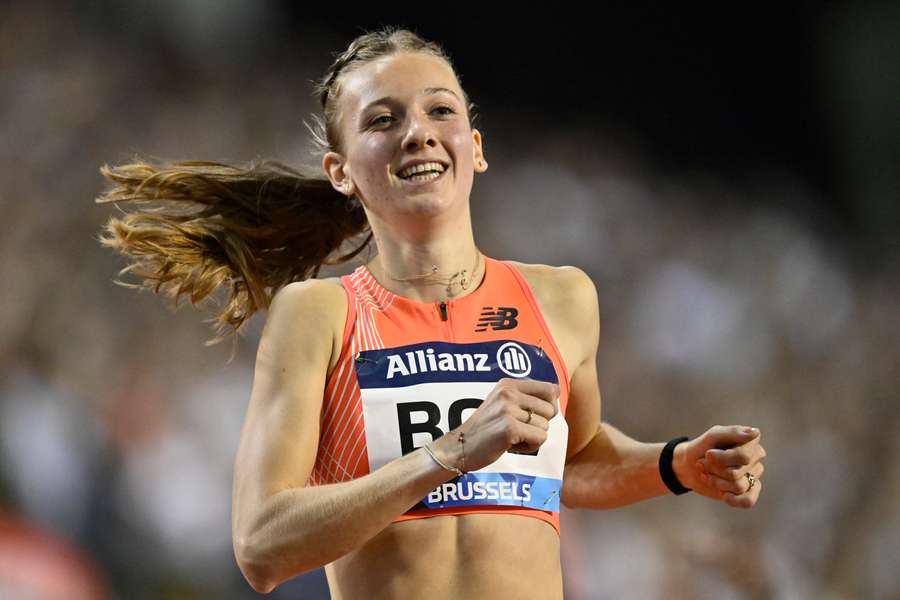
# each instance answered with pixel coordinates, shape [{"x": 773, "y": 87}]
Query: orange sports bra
[{"x": 411, "y": 371}]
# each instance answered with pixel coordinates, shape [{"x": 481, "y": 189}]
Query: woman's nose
[{"x": 419, "y": 132}]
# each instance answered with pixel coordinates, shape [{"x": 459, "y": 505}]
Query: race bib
[{"x": 414, "y": 394}]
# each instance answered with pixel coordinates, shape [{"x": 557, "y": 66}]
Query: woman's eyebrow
[
  {"x": 434, "y": 90},
  {"x": 429, "y": 91}
]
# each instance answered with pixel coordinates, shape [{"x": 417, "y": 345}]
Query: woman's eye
[
  {"x": 384, "y": 119},
  {"x": 378, "y": 120}
]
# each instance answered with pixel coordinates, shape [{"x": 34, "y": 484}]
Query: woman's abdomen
[{"x": 452, "y": 557}]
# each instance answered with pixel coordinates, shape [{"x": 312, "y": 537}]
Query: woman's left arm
[
  {"x": 614, "y": 470},
  {"x": 605, "y": 468}
]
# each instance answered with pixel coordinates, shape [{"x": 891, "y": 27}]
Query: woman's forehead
[{"x": 394, "y": 76}]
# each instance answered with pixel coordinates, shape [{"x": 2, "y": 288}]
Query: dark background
[{"x": 808, "y": 88}]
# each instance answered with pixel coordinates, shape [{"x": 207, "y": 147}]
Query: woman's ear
[
  {"x": 477, "y": 153},
  {"x": 338, "y": 172}
]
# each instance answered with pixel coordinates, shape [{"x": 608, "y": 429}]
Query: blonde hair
[{"x": 251, "y": 229}]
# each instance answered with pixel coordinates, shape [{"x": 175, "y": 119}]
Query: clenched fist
[
  {"x": 515, "y": 416},
  {"x": 717, "y": 463}
]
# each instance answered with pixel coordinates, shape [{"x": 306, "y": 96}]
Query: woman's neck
[{"x": 408, "y": 269}]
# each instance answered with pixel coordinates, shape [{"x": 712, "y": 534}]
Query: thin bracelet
[
  {"x": 462, "y": 442},
  {"x": 431, "y": 454}
]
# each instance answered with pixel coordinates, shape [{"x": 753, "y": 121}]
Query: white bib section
[{"x": 383, "y": 427}]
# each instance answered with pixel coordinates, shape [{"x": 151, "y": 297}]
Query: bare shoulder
[
  {"x": 557, "y": 283},
  {"x": 312, "y": 306},
  {"x": 568, "y": 298},
  {"x": 310, "y": 295}
]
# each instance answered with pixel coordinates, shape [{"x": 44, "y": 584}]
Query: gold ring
[
  {"x": 751, "y": 479},
  {"x": 529, "y": 416}
]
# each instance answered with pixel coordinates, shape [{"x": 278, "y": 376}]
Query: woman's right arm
[{"x": 280, "y": 528}]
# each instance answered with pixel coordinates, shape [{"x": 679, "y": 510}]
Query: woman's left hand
[{"x": 716, "y": 464}]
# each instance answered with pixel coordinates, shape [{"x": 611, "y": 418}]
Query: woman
[{"x": 406, "y": 417}]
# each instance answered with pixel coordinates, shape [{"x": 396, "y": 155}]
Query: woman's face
[{"x": 403, "y": 108}]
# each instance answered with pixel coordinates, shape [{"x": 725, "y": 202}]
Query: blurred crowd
[{"x": 720, "y": 304}]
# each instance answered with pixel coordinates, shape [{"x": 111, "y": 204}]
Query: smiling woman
[
  {"x": 405, "y": 146},
  {"x": 410, "y": 423}
]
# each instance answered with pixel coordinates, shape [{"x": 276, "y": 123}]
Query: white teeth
[
  {"x": 424, "y": 177},
  {"x": 430, "y": 166}
]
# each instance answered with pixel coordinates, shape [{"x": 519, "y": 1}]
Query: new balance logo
[{"x": 502, "y": 318}]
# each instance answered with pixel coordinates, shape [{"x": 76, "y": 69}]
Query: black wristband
[{"x": 665, "y": 467}]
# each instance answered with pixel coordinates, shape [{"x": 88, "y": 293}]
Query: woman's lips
[{"x": 414, "y": 183}]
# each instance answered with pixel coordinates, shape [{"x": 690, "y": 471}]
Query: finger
[
  {"x": 721, "y": 436},
  {"x": 729, "y": 478},
  {"x": 529, "y": 438},
  {"x": 739, "y": 456},
  {"x": 543, "y": 390},
  {"x": 537, "y": 406},
  {"x": 731, "y": 473},
  {"x": 727, "y": 473},
  {"x": 740, "y": 484},
  {"x": 720, "y": 484},
  {"x": 711, "y": 468},
  {"x": 537, "y": 420},
  {"x": 747, "y": 500}
]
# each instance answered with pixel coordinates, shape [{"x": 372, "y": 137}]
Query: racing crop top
[{"x": 411, "y": 371}]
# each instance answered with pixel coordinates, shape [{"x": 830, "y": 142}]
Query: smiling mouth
[{"x": 423, "y": 178}]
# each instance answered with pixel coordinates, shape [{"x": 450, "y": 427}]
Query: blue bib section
[
  {"x": 444, "y": 362},
  {"x": 510, "y": 489}
]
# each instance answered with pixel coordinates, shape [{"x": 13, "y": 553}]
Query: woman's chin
[
  {"x": 430, "y": 204},
  {"x": 422, "y": 206}
]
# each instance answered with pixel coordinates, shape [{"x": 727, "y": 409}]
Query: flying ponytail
[
  {"x": 207, "y": 225},
  {"x": 251, "y": 229}
]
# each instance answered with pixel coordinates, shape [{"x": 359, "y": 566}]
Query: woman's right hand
[{"x": 498, "y": 424}]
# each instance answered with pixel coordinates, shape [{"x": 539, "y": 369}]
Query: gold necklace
[{"x": 433, "y": 277}]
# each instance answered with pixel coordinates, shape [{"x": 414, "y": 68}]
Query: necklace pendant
[{"x": 434, "y": 268}]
